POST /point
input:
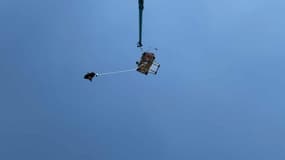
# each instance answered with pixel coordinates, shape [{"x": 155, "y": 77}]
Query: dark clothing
[{"x": 90, "y": 76}]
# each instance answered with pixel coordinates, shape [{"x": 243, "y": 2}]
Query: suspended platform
[{"x": 147, "y": 64}]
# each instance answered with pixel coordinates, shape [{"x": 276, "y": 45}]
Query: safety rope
[{"x": 115, "y": 72}]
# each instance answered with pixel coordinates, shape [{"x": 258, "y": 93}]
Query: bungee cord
[{"x": 115, "y": 72}]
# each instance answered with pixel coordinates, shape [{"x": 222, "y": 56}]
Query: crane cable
[
  {"x": 141, "y": 7},
  {"x": 115, "y": 72}
]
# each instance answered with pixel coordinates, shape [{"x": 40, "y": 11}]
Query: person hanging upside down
[{"x": 90, "y": 76}]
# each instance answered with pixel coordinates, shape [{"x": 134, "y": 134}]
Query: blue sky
[{"x": 219, "y": 94}]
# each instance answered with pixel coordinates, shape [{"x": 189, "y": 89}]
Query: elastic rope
[{"x": 115, "y": 72}]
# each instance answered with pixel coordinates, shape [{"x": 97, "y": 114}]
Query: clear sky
[{"x": 219, "y": 94}]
